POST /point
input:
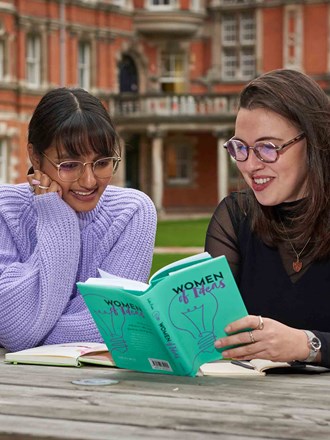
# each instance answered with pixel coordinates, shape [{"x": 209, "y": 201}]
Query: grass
[
  {"x": 161, "y": 260},
  {"x": 180, "y": 233}
]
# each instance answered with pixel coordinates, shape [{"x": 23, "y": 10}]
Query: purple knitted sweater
[{"x": 46, "y": 247}]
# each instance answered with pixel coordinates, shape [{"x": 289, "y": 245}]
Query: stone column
[
  {"x": 157, "y": 174},
  {"x": 222, "y": 166}
]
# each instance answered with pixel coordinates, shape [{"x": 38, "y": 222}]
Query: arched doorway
[{"x": 128, "y": 75}]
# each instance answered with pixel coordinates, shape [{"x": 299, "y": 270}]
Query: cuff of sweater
[{"x": 51, "y": 208}]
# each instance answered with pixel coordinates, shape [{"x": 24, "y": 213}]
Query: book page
[
  {"x": 113, "y": 280},
  {"x": 264, "y": 364},
  {"x": 227, "y": 368},
  {"x": 98, "y": 358},
  {"x": 55, "y": 353}
]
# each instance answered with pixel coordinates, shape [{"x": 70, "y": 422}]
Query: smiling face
[
  {"x": 83, "y": 194},
  {"x": 283, "y": 180}
]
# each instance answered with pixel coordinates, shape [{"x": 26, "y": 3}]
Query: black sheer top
[{"x": 265, "y": 277}]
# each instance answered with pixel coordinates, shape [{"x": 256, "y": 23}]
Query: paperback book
[
  {"x": 169, "y": 325},
  {"x": 73, "y": 354},
  {"x": 257, "y": 367}
]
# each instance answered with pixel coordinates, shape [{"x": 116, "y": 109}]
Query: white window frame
[
  {"x": 229, "y": 30},
  {"x": 161, "y": 5},
  {"x": 196, "y": 5},
  {"x": 183, "y": 164},
  {"x": 170, "y": 75},
  {"x": 239, "y": 45},
  {"x": 33, "y": 60},
  {"x": 3, "y": 161},
  {"x": 293, "y": 38},
  {"x": 84, "y": 64},
  {"x": 120, "y": 3}
]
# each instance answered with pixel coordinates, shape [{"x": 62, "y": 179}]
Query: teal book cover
[{"x": 169, "y": 325}]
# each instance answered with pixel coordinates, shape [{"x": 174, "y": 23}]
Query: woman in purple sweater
[{"x": 66, "y": 223}]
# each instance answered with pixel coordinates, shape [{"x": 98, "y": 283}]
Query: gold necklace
[{"x": 296, "y": 265}]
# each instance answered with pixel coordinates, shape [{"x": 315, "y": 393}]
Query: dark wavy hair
[
  {"x": 299, "y": 99},
  {"x": 73, "y": 119}
]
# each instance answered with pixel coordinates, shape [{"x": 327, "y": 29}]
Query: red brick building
[{"x": 168, "y": 71}]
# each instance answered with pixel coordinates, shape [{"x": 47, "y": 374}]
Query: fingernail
[
  {"x": 227, "y": 329},
  {"x": 225, "y": 354},
  {"x": 35, "y": 182},
  {"x": 218, "y": 343}
]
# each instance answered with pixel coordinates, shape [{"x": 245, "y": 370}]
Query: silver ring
[
  {"x": 261, "y": 324},
  {"x": 252, "y": 338},
  {"x": 43, "y": 187}
]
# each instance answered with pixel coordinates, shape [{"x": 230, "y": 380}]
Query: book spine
[{"x": 179, "y": 361}]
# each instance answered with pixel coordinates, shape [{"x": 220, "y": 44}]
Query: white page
[{"x": 108, "y": 279}]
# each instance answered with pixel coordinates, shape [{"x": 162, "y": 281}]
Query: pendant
[{"x": 297, "y": 265}]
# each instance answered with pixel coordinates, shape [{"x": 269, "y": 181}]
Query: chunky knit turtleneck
[{"x": 46, "y": 247}]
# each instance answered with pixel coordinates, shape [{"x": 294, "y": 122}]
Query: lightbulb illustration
[
  {"x": 111, "y": 322},
  {"x": 195, "y": 316}
]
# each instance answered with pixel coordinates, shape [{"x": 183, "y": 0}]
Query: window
[
  {"x": 237, "y": 2},
  {"x": 172, "y": 72},
  {"x": 238, "y": 43},
  {"x": 178, "y": 163},
  {"x": 195, "y": 5},
  {"x": 161, "y": 4},
  {"x": 3, "y": 162},
  {"x": 33, "y": 61},
  {"x": 293, "y": 34},
  {"x": 120, "y": 3},
  {"x": 84, "y": 65}
]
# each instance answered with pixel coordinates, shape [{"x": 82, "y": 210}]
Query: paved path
[{"x": 178, "y": 250}]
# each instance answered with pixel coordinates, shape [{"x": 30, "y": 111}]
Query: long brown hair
[{"x": 299, "y": 99}]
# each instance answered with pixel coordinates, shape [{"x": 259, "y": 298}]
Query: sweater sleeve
[
  {"x": 126, "y": 250},
  {"x": 75, "y": 324},
  {"x": 35, "y": 291}
]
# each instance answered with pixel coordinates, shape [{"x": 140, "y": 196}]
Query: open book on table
[
  {"x": 256, "y": 367},
  {"x": 169, "y": 325},
  {"x": 73, "y": 354}
]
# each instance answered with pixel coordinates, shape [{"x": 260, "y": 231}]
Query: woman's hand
[
  {"x": 41, "y": 183},
  {"x": 263, "y": 338}
]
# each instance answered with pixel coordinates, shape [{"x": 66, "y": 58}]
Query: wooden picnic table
[{"x": 41, "y": 402}]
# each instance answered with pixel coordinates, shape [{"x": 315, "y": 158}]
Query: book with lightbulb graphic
[{"x": 169, "y": 325}]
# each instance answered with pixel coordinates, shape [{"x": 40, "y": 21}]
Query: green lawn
[
  {"x": 181, "y": 232},
  {"x": 161, "y": 260},
  {"x": 178, "y": 233}
]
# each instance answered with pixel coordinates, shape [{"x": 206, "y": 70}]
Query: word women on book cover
[{"x": 201, "y": 287}]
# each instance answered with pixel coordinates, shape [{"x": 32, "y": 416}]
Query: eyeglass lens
[
  {"x": 102, "y": 168},
  {"x": 265, "y": 151}
]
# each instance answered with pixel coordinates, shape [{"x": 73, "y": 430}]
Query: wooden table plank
[{"x": 42, "y": 402}]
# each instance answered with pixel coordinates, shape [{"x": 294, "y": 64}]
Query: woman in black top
[{"x": 276, "y": 234}]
